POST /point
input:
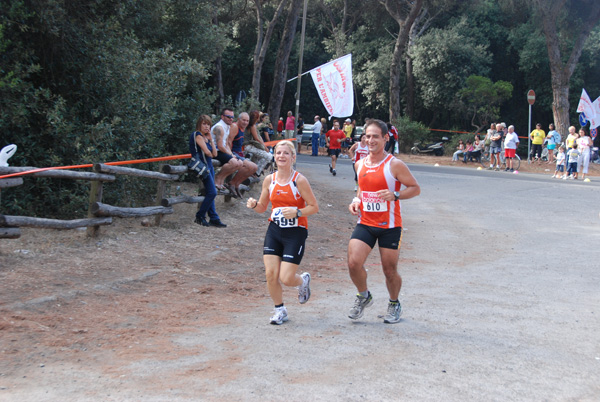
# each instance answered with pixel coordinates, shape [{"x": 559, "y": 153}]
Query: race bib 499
[{"x": 372, "y": 202}]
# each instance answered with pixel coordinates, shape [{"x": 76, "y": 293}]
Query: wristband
[
  {"x": 355, "y": 199},
  {"x": 255, "y": 204}
]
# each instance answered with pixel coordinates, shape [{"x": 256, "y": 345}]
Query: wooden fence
[{"x": 99, "y": 214}]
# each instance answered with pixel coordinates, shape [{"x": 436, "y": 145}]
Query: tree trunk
[
  {"x": 561, "y": 72},
  {"x": 405, "y": 23},
  {"x": 262, "y": 44},
  {"x": 410, "y": 89},
  {"x": 218, "y": 75},
  {"x": 283, "y": 55}
]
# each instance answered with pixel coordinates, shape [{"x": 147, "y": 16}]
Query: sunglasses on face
[{"x": 226, "y": 115}]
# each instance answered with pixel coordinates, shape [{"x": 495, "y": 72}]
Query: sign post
[{"x": 531, "y": 101}]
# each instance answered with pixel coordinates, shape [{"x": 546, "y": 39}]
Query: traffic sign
[
  {"x": 582, "y": 119},
  {"x": 593, "y": 133},
  {"x": 531, "y": 97}
]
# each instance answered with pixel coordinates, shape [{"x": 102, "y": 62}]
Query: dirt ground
[{"x": 121, "y": 297}]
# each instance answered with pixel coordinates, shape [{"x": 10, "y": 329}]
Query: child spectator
[
  {"x": 468, "y": 150},
  {"x": 573, "y": 155},
  {"x": 460, "y": 149},
  {"x": 560, "y": 163}
]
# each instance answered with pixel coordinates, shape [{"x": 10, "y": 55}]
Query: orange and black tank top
[
  {"x": 375, "y": 211},
  {"x": 286, "y": 195}
]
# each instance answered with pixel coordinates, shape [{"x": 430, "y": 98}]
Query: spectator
[
  {"x": 264, "y": 127},
  {"x": 299, "y": 132},
  {"x": 511, "y": 142},
  {"x": 322, "y": 139},
  {"x": 229, "y": 163},
  {"x": 468, "y": 150},
  {"x": 280, "y": 127},
  {"x": 255, "y": 145},
  {"x": 290, "y": 124},
  {"x": 572, "y": 158},
  {"x": 347, "y": 129},
  {"x": 560, "y": 163},
  {"x": 537, "y": 140},
  {"x": 584, "y": 145},
  {"x": 460, "y": 149},
  {"x": 393, "y": 135},
  {"x": 496, "y": 146},
  {"x": 571, "y": 138},
  {"x": 202, "y": 148},
  {"x": 316, "y": 132},
  {"x": 553, "y": 138}
]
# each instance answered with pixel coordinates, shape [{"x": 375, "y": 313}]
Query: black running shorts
[
  {"x": 387, "y": 238},
  {"x": 335, "y": 152},
  {"x": 288, "y": 243}
]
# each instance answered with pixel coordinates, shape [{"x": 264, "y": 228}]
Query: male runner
[
  {"x": 334, "y": 137},
  {"x": 380, "y": 178}
]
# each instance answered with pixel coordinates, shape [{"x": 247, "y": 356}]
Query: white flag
[
  {"x": 595, "y": 119},
  {"x": 585, "y": 105},
  {"x": 334, "y": 84}
]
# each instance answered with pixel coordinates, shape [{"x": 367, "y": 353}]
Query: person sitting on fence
[
  {"x": 468, "y": 149},
  {"x": 475, "y": 153},
  {"x": 229, "y": 164},
  {"x": 460, "y": 149},
  {"x": 254, "y": 144},
  {"x": 248, "y": 167},
  {"x": 203, "y": 148}
]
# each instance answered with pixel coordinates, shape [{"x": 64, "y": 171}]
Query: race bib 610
[
  {"x": 372, "y": 202},
  {"x": 281, "y": 221}
]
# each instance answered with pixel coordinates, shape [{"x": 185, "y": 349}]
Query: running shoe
[
  {"x": 394, "y": 312},
  {"x": 279, "y": 316},
  {"x": 564, "y": 177},
  {"x": 304, "y": 289},
  {"x": 359, "y": 306},
  {"x": 334, "y": 172},
  {"x": 330, "y": 168}
]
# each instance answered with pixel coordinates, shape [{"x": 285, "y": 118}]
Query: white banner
[
  {"x": 590, "y": 109},
  {"x": 334, "y": 84},
  {"x": 585, "y": 104}
]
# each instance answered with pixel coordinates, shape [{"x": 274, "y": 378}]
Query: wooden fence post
[
  {"x": 95, "y": 196},
  {"x": 160, "y": 193}
]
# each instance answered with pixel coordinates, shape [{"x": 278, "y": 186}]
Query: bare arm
[
  {"x": 233, "y": 131},
  {"x": 403, "y": 175},
  {"x": 201, "y": 141},
  {"x": 261, "y": 205},
  {"x": 354, "y": 206},
  {"x": 306, "y": 192},
  {"x": 255, "y": 135}
]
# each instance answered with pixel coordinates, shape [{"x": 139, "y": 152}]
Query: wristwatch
[
  {"x": 396, "y": 195},
  {"x": 298, "y": 213}
]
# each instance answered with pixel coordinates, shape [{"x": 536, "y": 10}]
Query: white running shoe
[
  {"x": 304, "y": 289},
  {"x": 393, "y": 313},
  {"x": 280, "y": 316},
  {"x": 564, "y": 177}
]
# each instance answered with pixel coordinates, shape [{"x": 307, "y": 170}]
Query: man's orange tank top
[{"x": 375, "y": 211}]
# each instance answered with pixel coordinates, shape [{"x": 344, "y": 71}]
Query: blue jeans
[
  {"x": 208, "y": 205},
  {"x": 315, "y": 144},
  {"x": 322, "y": 141}
]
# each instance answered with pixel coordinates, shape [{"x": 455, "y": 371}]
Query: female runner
[{"x": 292, "y": 200}]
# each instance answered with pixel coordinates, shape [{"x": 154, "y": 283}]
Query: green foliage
[
  {"x": 410, "y": 132},
  {"x": 483, "y": 98},
  {"x": 442, "y": 60}
]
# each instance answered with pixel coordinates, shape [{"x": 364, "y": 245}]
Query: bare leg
[
  {"x": 226, "y": 170},
  {"x": 358, "y": 251},
  {"x": 278, "y": 272},
  {"x": 389, "y": 263}
]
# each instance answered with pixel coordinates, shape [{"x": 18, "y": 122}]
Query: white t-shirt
[
  {"x": 226, "y": 128},
  {"x": 511, "y": 140}
]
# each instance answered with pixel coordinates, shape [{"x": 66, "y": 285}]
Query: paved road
[{"x": 501, "y": 296}]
